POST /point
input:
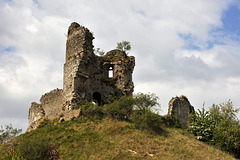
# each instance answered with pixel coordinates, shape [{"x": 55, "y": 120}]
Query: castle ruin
[
  {"x": 86, "y": 77},
  {"x": 181, "y": 108}
]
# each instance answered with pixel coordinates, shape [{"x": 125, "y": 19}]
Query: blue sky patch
[
  {"x": 189, "y": 41},
  {"x": 230, "y": 29},
  {"x": 8, "y": 49},
  {"x": 231, "y": 20},
  {"x": 37, "y": 3}
]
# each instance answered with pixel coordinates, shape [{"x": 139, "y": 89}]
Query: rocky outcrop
[{"x": 181, "y": 108}]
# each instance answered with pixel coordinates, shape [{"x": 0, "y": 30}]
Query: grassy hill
[
  {"x": 126, "y": 128},
  {"x": 111, "y": 139}
]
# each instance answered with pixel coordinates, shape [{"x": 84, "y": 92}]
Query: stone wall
[
  {"x": 180, "y": 107},
  {"x": 86, "y": 77},
  {"x": 52, "y": 103},
  {"x": 123, "y": 66},
  {"x": 36, "y": 113},
  {"x": 79, "y": 54},
  {"x": 79, "y": 41}
]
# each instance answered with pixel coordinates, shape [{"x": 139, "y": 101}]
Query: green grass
[{"x": 112, "y": 139}]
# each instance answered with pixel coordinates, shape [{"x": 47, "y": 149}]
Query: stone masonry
[
  {"x": 86, "y": 77},
  {"x": 180, "y": 107}
]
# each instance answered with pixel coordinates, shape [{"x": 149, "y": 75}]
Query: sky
[{"x": 181, "y": 47}]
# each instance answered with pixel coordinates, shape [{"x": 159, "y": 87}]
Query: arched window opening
[
  {"x": 97, "y": 98},
  {"x": 110, "y": 72}
]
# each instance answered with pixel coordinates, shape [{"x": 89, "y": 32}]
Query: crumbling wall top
[
  {"x": 116, "y": 53},
  {"x": 47, "y": 97},
  {"x": 180, "y": 107},
  {"x": 79, "y": 41},
  {"x": 36, "y": 113},
  {"x": 76, "y": 27},
  {"x": 117, "y": 56}
]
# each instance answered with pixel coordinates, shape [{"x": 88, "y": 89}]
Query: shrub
[
  {"x": 171, "y": 121},
  {"x": 34, "y": 148},
  {"x": 91, "y": 110},
  {"x": 124, "y": 46},
  {"x": 201, "y": 125},
  {"x": 218, "y": 126},
  {"x": 14, "y": 155},
  {"x": 145, "y": 116},
  {"x": 228, "y": 139},
  {"x": 224, "y": 114},
  {"x": 145, "y": 102},
  {"x": 148, "y": 121},
  {"x": 226, "y": 134},
  {"x": 120, "y": 109},
  {"x": 99, "y": 52},
  {"x": 140, "y": 109}
]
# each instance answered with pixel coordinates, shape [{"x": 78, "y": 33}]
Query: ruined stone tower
[
  {"x": 86, "y": 77},
  {"x": 181, "y": 108}
]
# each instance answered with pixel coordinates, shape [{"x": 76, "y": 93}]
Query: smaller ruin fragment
[
  {"x": 181, "y": 108},
  {"x": 36, "y": 113},
  {"x": 86, "y": 77}
]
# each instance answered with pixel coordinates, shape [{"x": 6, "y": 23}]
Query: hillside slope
[{"x": 111, "y": 139}]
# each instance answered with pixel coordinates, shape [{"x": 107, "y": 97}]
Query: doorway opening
[{"x": 97, "y": 98}]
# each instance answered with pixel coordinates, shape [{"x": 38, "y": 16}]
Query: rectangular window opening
[{"x": 110, "y": 72}]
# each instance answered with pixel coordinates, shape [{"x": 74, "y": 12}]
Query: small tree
[
  {"x": 227, "y": 127},
  {"x": 34, "y": 147},
  {"x": 124, "y": 46},
  {"x": 218, "y": 126},
  {"x": 8, "y": 133},
  {"x": 120, "y": 109},
  {"x": 224, "y": 113},
  {"x": 145, "y": 102},
  {"x": 201, "y": 125},
  {"x": 99, "y": 52},
  {"x": 144, "y": 115}
]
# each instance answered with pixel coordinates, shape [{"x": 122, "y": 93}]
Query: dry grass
[
  {"x": 109, "y": 139},
  {"x": 119, "y": 140}
]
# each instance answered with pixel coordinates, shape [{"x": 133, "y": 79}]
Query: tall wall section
[
  {"x": 52, "y": 103},
  {"x": 122, "y": 66},
  {"x": 79, "y": 51},
  {"x": 181, "y": 108}
]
